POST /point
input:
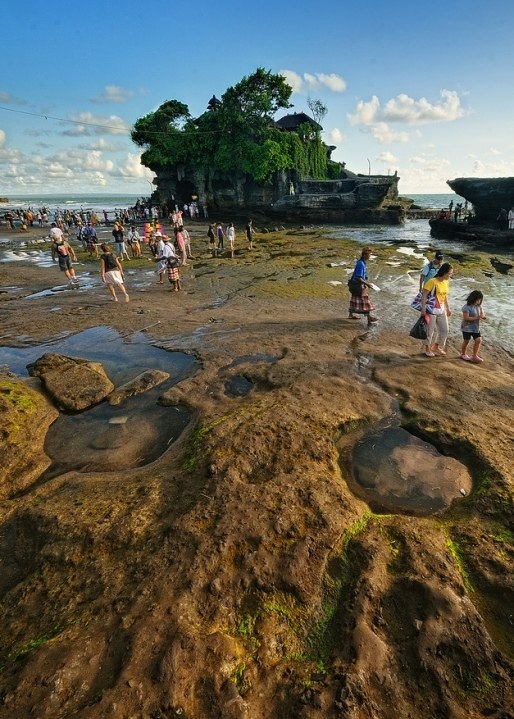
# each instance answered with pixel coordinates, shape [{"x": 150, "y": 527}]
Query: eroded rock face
[
  {"x": 25, "y": 415},
  {"x": 74, "y": 384},
  {"x": 488, "y": 195},
  {"x": 399, "y": 472},
  {"x": 142, "y": 383}
]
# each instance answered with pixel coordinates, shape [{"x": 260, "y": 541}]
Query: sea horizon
[{"x": 112, "y": 201}]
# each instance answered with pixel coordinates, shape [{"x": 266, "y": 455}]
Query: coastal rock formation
[
  {"x": 488, "y": 195},
  {"x": 237, "y": 575},
  {"x": 142, "y": 383},
  {"x": 25, "y": 415},
  {"x": 73, "y": 383},
  {"x": 352, "y": 198}
]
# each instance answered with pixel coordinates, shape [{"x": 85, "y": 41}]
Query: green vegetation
[
  {"x": 457, "y": 552},
  {"x": 33, "y": 644},
  {"x": 236, "y": 134}
]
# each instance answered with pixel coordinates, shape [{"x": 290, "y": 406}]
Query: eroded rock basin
[
  {"x": 394, "y": 471},
  {"x": 105, "y": 437}
]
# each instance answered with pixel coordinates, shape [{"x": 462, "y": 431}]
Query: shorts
[
  {"x": 64, "y": 263},
  {"x": 469, "y": 335}
]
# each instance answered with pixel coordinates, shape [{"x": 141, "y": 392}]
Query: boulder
[
  {"x": 142, "y": 383},
  {"x": 74, "y": 384}
]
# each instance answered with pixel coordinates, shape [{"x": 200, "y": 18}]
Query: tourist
[
  {"x": 180, "y": 245},
  {"x": 221, "y": 236},
  {"x": 187, "y": 243},
  {"x": 134, "y": 240},
  {"x": 436, "y": 316},
  {"x": 111, "y": 273},
  {"x": 360, "y": 303},
  {"x": 212, "y": 240},
  {"x": 172, "y": 264},
  {"x": 511, "y": 218},
  {"x": 89, "y": 235},
  {"x": 231, "y": 236},
  {"x": 118, "y": 232},
  {"x": 249, "y": 234},
  {"x": 503, "y": 219},
  {"x": 430, "y": 269},
  {"x": 472, "y": 313},
  {"x": 164, "y": 251},
  {"x": 63, "y": 252}
]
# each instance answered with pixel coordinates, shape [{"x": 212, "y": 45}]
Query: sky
[{"x": 423, "y": 89}]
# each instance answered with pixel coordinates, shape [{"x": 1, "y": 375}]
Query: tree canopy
[{"x": 237, "y": 133}]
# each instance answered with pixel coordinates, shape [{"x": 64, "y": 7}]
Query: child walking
[{"x": 472, "y": 313}]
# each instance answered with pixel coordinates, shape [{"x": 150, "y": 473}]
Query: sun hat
[{"x": 158, "y": 234}]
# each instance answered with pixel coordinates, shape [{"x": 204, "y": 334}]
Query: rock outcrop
[
  {"x": 488, "y": 195},
  {"x": 74, "y": 384}
]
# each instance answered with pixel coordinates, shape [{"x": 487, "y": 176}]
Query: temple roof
[{"x": 291, "y": 122}]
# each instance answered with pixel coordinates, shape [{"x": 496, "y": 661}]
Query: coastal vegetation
[{"x": 238, "y": 133}]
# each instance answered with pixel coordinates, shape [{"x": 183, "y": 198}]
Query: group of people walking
[
  {"x": 433, "y": 303},
  {"x": 217, "y": 234}
]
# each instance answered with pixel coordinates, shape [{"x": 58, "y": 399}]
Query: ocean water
[
  {"x": 111, "y": 203},
  {"x": 97, "y": 203}
]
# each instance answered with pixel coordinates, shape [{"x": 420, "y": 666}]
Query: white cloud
[
  {"x": 104, "y": 146},
  {"x": 407, "y": 110},
  {"x": 2, "y": 138},
  {"x": 87, "y": 124},
  {"x": 132, "y": 168},
  {"x": 366, "y": 112},
  {"x": 416, "y": 112},
  {"x": 113, "y": 93},
  {"x": 336, "y": 136},
  {"x": 387, "y": 158},
  {"x": 384, "y": 135},
  {"x": 303, "y": 84}
]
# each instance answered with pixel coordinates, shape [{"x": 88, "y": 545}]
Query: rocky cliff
[
  {"x": 488, "y": 195},
  {"x": 354, "y": 198}
]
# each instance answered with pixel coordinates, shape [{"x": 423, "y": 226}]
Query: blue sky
[{"x": 419, "y": 88}]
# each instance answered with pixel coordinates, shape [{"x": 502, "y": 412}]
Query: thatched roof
[{"x": 291, "y": 122}]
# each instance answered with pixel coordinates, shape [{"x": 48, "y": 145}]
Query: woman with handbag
[
  {"x": 360, "y": 303},
  {"x": 436, "y": 316}
]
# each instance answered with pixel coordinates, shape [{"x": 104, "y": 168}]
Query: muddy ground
[{"x": 238, "y": 575}]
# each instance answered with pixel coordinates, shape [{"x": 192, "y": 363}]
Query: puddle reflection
[{"x": 105, "y": 437}]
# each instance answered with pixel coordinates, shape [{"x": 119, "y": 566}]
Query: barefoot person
[
  {"x": 360, "y": 304},
  {"x": 64, "y": 253},
  {"x": 111, "y": 272}
]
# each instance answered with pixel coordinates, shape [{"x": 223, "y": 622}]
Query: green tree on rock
[{"x": 237, "y": 134}]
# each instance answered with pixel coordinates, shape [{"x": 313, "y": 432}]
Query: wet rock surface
[
  {"x": 398, "y": 472},
  {"x": 238, "y": 572},
  {"x": 142, "y": 383},
  {"x": 73, "y": 383}
]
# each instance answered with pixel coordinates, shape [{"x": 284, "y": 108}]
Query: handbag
[
  {"x": 432, "y": 304},
  {"x": 419, "y": 331},
  {"x": 355, "y": 287}
]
